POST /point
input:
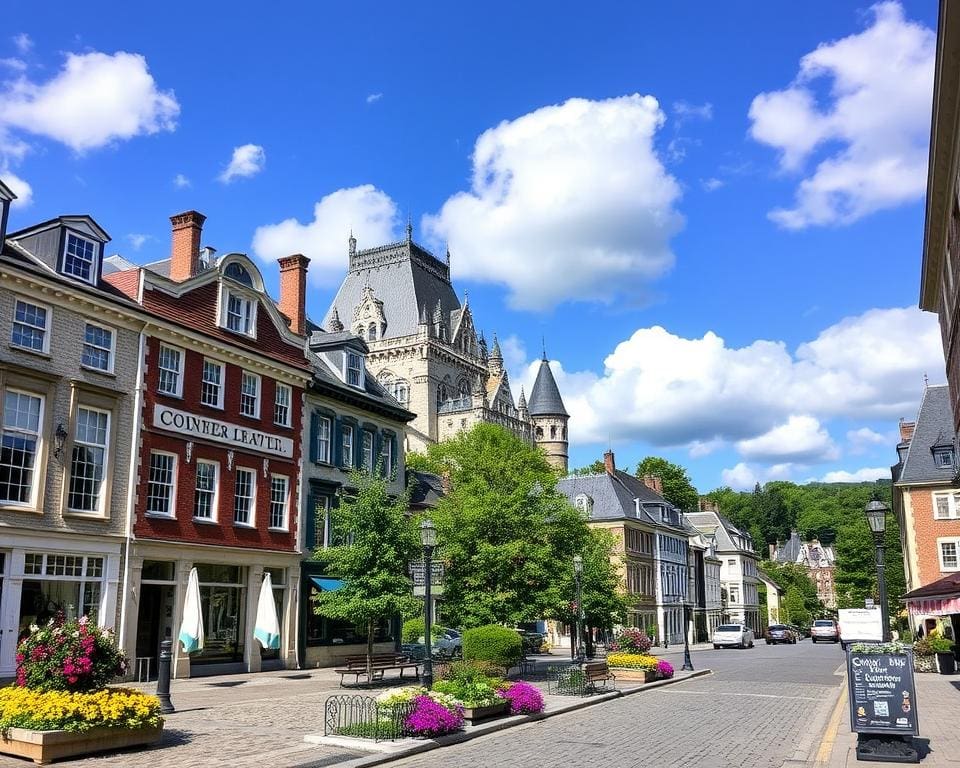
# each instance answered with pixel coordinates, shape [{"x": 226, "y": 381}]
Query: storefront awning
[
  {"x": 933, "y": 606},
  {"x": 939, "y": 598},
  {"x": 326, "y": 585}
]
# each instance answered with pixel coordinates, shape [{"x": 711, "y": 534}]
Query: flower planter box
[
  {"x": 924, "y": 664},
  {"x": 633, "y": 673},
  {"x": 476, "y": 714},
  {"x": 45, "y": 746}
]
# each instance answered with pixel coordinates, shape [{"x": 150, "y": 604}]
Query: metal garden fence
[{"x": 363, "y": 717}]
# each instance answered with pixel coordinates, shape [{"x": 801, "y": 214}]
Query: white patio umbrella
[
  {"x": 267, "y": 629},
  {"x": 191, "y": 627}
]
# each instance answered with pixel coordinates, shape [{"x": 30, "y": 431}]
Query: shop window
[
  {"x": 223, "y": 605},
  {"x": 324, "y": 631},
  {"x": 60, "y": 583}
]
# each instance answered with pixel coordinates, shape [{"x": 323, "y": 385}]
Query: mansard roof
[
  {"x": 934, "y": 428},
  {"x": 545, "y": 397}
]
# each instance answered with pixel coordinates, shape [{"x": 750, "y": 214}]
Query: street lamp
[
  {"x": 876, "y": 512},
  {"x": 687, "y": 663},
  {"x": 578, "y": 578},
  {"x": 428, "y": 538}
]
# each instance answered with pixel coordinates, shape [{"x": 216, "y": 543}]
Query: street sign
[
  {"x": 418, "y": 574},
  {"x": 883, "y": 697},
  {"x": 868, "y": 602}
]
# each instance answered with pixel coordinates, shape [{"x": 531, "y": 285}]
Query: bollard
[{"x": 163, "y": 677}]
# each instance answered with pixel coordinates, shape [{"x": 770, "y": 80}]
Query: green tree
[
  {"x": 794, "y": 608},
  {"x": 381, "y": 542},
  {"x": 677, "y": 488},
  {"x": 596, "y": 468},
  {"x": 504, "y": 531}
]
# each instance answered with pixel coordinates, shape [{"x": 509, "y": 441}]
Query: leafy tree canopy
[
  {"x": 596, "y": 468},
  {"x": 677, "y": 488}
]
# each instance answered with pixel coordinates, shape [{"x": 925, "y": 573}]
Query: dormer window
[
  {"x": 354, "y": 373},
  {"x": 584, "y": 504},
  {"x": 943, "y": 457},
  {"x": 78, "y": 258},
  {"x": 238, "y": 272},
  {"x": 239, "y": 314}
]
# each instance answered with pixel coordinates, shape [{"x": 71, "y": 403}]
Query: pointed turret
[
  {"x": 484, "y": 354},
  {"x": 409, "y": 230},
  {"x": 522, "y": 406},
  {"x": 549, "y": 416},
  {"x": 545, "y": 399},
  {"x": 334, "y": 325},
  {"x": 352, "y": 244},
  {"x": 495, "y": 360}
]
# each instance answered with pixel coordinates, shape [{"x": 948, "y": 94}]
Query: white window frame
[
  {"x": 221, "y": 384},
  {"x": 252, "y": 509},
  {"x": 111, "y": 350},
  {"x": 178, "y": 390},
  {"x": 955, "y": 541},
  {"x": 347, "y": 457},
  {"x": 248, "y": 312},
  {"x": 172, "y": 499},
  {"x": 953, "y": 505},
  {"x": 48, "y": 324},
  {"x": 39, "y": 444},
  {"x": 278, "y": 404},
  {"x": 286, "y": 503},
  {"x": 92, "y": 278},
  {"x": 214, "y": 494},
  {"x": 946, "y": 452},
  {"x": 386, "y": 453},
  {"x": 256, "y": 397},
  {"x": 105, "y": 466},
  {"x": 349, "y": 357},
  {"x": 325, "y": 458},
  {"x": 367, "y": 457}
]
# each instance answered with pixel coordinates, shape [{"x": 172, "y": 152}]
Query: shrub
[
  {"x": 71, "y": 655},
  {"x": 414, "y": 629},
  {"x": 473, "y": 672},
  {"x": 430, "y": 718},
  {"x": 632, "y": 640},
  {"x": 940, "y": 644},
  {"x": 71, "y": 711},
  {"x": 475, "y": 694},
  {"x": 923, "y": 647},
  {"x": 493, "y": 643},
  {"x": 632, "y": 660},
  {"x": 524, "y": 698},
  {"x": 664, "y": 668},
  {"x": 409, "y": 693}
]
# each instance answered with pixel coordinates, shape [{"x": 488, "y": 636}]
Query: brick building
[
  {"x": 219, "y": 481},
  {"x": 68, "y": 345}
]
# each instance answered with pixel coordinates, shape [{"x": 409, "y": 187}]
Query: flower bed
[
  {"x": 71, "y": 711},
  {"x": 524, "y": 699},
  {"x": 647, "y": 668}
]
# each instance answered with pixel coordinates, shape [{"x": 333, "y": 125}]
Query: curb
[{"x": 502, "y": 724}]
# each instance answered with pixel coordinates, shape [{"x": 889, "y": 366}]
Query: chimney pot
[
  {"x": 609, "y": 463},
  {"x": 185, "y": 247},
  {"x": 293, "y": 291},
  {"x": 906, "y": 430}
]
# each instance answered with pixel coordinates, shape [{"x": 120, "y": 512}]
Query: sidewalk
[{"x": 938, "y": 706}]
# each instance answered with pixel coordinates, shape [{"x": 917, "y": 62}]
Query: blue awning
[{"x": 326, "y": 585}]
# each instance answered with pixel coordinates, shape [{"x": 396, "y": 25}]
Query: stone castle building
[{"x": 425, "y": 349}]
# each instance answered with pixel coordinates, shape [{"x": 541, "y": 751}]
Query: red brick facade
[{"x": 927, "y": 531}]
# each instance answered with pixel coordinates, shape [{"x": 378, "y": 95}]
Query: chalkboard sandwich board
[{"x": 883, "y": 697}]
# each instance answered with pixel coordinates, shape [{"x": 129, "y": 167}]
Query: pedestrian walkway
[{"x": 938, "y": 707}]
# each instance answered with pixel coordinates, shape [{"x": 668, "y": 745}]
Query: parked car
[
  {"x": 449, "y": 643},
  {"x": 733, "y": 635},
  {"x": 532, "y": 641},
  {"x": 781, "y": 633},
  {"x": 825, "y": 631}
]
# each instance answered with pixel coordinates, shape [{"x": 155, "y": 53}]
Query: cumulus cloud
[
  {"x": 567, "y": 203},
  {"x": 137, "y": 241},
  {"x": 743, "y": 477},
  {"x": 366, "y": 211},
  {"x": 19, "y": 187},
  {"x": 180, "y": 181},
  {"x": 799, "y": 439},
  {"x": 18, "y": 65},
  {"x": 373, "y": 98},
  {"x": 94, "y": 100},
  {"x": 22, "y": 42},
  {"x": 863, "y": 439},
  {"x": 872, "y": 129},
  {"x": 247, "y": 160},
  {"x": 712, "y": 184},
  {"x": 865, "y": 475}
]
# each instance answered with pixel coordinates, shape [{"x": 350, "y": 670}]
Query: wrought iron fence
[
  {"x": 567, "y": 680},
  {"x": 363, "y": 717}
]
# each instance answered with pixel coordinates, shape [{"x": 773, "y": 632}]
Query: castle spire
[
  {"x": 334, "y": 325},
  {"x": 409, "y": 229},
  {"x": 352, "y": 244}
]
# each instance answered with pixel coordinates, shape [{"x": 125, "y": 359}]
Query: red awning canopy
[{"x": 939, "y": 598}]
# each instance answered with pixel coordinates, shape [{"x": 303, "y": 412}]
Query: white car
[{"x": 733, "y": 635}]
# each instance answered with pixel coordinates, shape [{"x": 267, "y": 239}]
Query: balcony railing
[{"x": 459, "y": 404}]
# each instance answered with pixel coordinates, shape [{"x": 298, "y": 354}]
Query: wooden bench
[
  {"x": 381, "y": 662},
  {"x": 598, "y": 671}
]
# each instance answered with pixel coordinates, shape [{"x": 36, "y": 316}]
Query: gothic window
[
  {"x": 372, "y": 332},
  {"x": 464, "y": 388},
  {"x": 441, "y": 393},
  {"x": 553, "y": 432},
  {"x": 539, "y": 433}
]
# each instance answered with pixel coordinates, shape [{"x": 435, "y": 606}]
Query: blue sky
[{"x": 713, "y": 215}]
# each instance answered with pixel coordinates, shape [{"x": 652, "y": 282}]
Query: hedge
[{"x": 493, "y": 643}]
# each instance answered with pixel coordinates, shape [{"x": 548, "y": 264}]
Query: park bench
[
  {"x": 597, "y": 671},
  {"x": 381, "y": 662}
]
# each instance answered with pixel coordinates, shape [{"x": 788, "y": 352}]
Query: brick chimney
[
  {"x": 654, "y": 483},
  {"x": 609, "y": 463},
  {"x": 293, "y": 291},
  {"x": 706, "y": 505},
  {"x": 906, "y": 430},
  {"x": 185, "y": 249}
]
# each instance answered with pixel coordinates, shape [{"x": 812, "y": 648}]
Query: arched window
[
  {"x": 464, "y": 387},
  {"x": 239, "y": 273},
  {"x": 539, "y": 432},
  {"x": 441, "y": 393},
  {"x": 372, "y": 332},
  {"x": 553, "y": 432},
  {"x": 563, "y": 433}
]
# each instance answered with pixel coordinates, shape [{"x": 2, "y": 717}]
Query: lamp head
[
  {"x": 876, "y": 512},
  {"x": 577, "y": 564},
  {"x": 428, "y": 533}
]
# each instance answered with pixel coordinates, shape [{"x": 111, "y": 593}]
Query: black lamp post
[
  {"x": 428, "y": 538},
  {"x": 578, "y": 579},
  {"x": 877, "y": 518},
  {"x": 687, "y": 663}
]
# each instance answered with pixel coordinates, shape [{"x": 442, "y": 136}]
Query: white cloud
[
  {"x": 863, "y": 439},
  {"x": 137, "y": 240},
  {"x": 368, "y": 212},
  {"x": 19, "y": 65},
  {"x": 712, "y": 184},
  {"x": 180, "y": 181},
  {"x": 247, "y": 160},
  {"x": 865, "y": 475},
  {"x": 743, "y": 477},
  {"x": 22, "y": 42},
  {"x": 799, "y": 439},
  {"x": 19, "y": 187},
  {"x": 94, "y": 100},
  {"x": 873, "y": 128},
  {"x": 684, "y": 110},
  {"x": 668, "y": 390},
  {"x": 700, "y": 448},
  {"x": 569, "y": 202},
  {"x": 514, "y": 355},
  {"x": 373, "y": 98}
]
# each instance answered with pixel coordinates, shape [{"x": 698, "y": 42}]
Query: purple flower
[
  {"x": 430, "y": 718},
  {"x": 524, "y": 698},
  {"x": 664, "y": 668}
]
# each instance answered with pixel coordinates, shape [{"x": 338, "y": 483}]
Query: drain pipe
[{"x": 132, "y": 490}]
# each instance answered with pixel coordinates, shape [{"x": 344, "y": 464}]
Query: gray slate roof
[
  {"x": 613, "y": 496},
  {"x": 789, "y": 551},
  {"x": 545, "y": 397},
  {"x": 426, "y": 489},
  {"x": 934, "y": 428},
  {"x": 406, "y": 278}
]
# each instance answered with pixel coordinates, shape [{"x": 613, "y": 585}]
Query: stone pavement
[{"x": 938, "y": 702}]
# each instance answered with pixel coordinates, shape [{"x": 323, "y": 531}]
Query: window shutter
[
  {"x": 358, "y": 446},
  {"x": 336, "y": 431},
  {"x": 310, "y": 523},
  {"x": 314, "y": 431}
]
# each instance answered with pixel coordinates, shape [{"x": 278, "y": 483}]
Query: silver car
[{"x": 733, "y": 636}]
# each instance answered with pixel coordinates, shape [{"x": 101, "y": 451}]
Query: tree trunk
[
  {"x": 588, "y": 632},
  {"x": 370, "y": 627}
]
